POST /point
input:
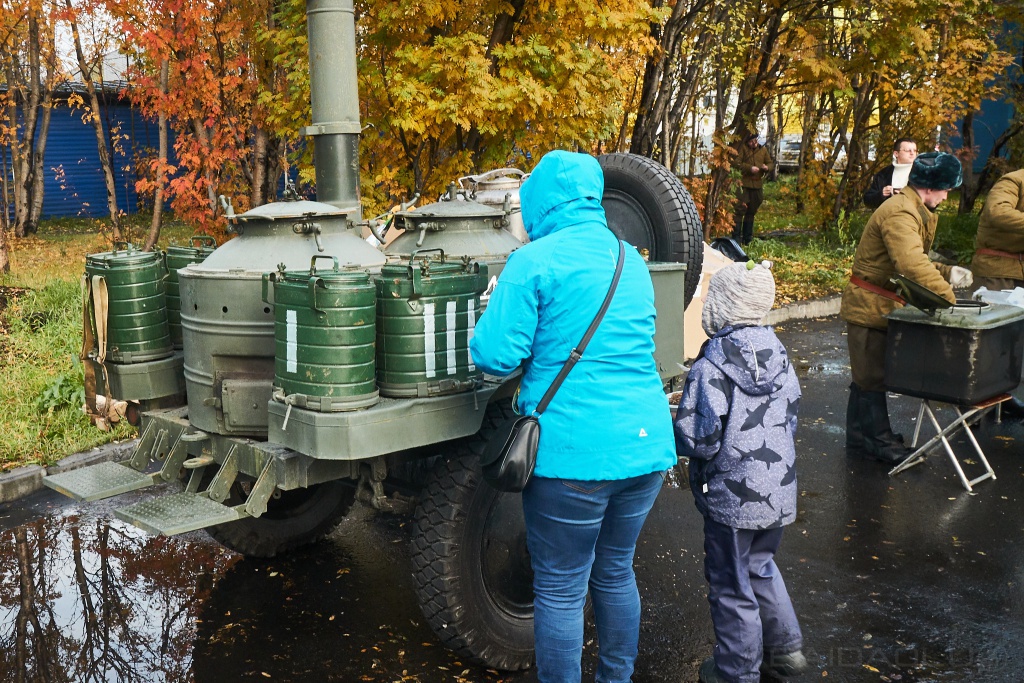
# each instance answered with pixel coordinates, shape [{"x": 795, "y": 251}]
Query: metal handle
[
  {"x": 412, "y": 256},
  {"x": 379, "y": 233},
  {"x": 312, "y": 262},
  {"x": 267, "y": 279},
  {"x": 208, "y": 240},
  {"x": 315, "y": 282},
  {"x": 128, "y": 246},
  {"x": 491, "y": 175},
  {"x": 414, "y": 273}
]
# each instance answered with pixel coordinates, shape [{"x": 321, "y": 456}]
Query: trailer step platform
[
  {"x": 177, "y": 513},
  {"x": 95, "y": 482}
]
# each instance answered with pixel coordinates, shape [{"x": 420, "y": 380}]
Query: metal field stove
[{"x": 968, "y": 355}]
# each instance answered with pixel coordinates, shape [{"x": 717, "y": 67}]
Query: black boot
[
  {"x": 879, "y": 441},
  {"x": 854, "y": 433}
]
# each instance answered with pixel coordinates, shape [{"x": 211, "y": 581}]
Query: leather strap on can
[
  {"x": 1000, "y": 254},
  {"x": 90, "y": 346},
  {"x": 99, "y": 307},
  {"x": 875, "y": 289}
]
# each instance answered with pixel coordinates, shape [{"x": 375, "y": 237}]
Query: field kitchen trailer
[{"x": 296, "y": 366}]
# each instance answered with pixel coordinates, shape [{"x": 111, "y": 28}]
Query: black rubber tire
[
  {"x": 470, "y": 563},
  {"x": 648, "y": 206},
  {"x": 294, "y": 519}
]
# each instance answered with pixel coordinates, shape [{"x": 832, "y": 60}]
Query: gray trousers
[{"x": 750, "y": 607}]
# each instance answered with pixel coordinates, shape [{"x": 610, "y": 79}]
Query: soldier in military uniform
[
  {"x": 999, "y": 246},
  {"x": 896, "y": 240}
]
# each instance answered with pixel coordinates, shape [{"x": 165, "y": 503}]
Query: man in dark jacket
[
  {"x": 904, "y": 151},
  {"x": 753, "y": 161},
  {"x": 736, "y": 422},
  {"x": 896, "y": 239}
]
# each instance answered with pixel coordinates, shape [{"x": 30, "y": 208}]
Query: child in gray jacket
[{"x": 736, "y": 423}]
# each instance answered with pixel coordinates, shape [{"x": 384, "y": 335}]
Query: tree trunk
[
  {"x": 204, "y": 140},
  {"x": 969, "y": 188},
  {"x": 773, "y": 138},
  {"x": 257, "y": 192},
  {"x": 5, "y": 259},
  {"x": 97, "y": 123},
  {"x": 5, "y": 189},
  {"x": 27, "y": 153},
  {"x": 863, "y": 105},
  {"x": 161, "y": 166},
  {"x": 37, "y": 178}
]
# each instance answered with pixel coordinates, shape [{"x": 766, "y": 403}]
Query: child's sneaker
[
  {"x": 782, "y": 667},
  {"x": 709, "y": 672}
]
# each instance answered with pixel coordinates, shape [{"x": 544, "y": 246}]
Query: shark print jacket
[{"x": 736, "y": 422}]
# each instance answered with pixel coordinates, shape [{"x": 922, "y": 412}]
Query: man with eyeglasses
[{"x": 904, "y": 151}]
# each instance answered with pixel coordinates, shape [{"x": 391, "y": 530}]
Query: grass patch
[
  {"x": 808, "y": 269},
  {"x": 41, "y": 337},
  {"x": 41, "y": 378}
]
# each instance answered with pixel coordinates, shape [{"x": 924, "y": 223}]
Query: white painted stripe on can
[
  {"x": 449, "y": 321},
  {"x": 291, "y": 346},
  {"x": 428, "y": 338},
  {"x": 469, "y": 333}
]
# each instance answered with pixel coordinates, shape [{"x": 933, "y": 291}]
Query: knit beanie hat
[{"x": 738, "y": 294}]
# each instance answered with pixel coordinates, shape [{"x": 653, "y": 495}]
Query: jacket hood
[
  {"x": 564, "y": 189},
  {"x": 752, "y": 357}
]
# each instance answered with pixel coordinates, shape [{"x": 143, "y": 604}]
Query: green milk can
[
  {"x": 427, "y": 309},
  {"x": 175, "y": 257},
  {"x": 324, "y": 336},
  {"x": 128, "y": 305}
]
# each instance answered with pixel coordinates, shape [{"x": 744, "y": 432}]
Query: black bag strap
[{"x": 577, "y": 352}]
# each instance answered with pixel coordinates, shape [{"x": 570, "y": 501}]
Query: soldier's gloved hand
[{"x": 960, "y": 278}]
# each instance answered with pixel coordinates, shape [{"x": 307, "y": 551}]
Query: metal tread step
[
  {"x": 177, "y": 513},
  {"x": 101, "y": 480}
]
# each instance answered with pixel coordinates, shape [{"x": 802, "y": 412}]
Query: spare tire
[{"x": 648, "y": 206}]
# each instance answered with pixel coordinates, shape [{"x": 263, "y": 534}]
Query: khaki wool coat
[
  {"x": 747, "y": 158},
  {"x": 1001, "y": 227},
  {"x": 896, "y": 240}
]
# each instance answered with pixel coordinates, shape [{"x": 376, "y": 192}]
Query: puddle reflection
[
  {"x": 92, "y": 600},
  {"x": 89, "y": 599}
]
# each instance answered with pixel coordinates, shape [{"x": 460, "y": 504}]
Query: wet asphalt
[{"x": 906, "y": 578}]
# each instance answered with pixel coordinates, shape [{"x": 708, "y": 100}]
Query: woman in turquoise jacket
[{"x": 606, "y": 437}]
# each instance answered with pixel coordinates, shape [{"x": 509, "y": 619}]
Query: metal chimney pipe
[{"x": 334, "y": 95}]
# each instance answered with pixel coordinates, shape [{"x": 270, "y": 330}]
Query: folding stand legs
[{"x": 962, "y": 421}]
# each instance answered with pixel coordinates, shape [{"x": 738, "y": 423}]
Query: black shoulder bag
[{"x": 511, "y": 453}]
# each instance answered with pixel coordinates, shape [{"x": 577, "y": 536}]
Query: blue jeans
[
  {"x": 583, "y": 534},
  {"x": 750, "y": 607}
]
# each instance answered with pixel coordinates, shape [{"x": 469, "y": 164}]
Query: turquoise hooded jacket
[{"x": 610, "y": 419}]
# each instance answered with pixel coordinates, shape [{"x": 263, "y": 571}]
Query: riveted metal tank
[
  {"x": 175, "y": 257},
  {"x": 459, "y": 226},
  {"x": 129, "y": 284},
  {"x": 325, "y": 335},
  {"x": 426, "y": 312},
  {"x": 227, "y": 328}
]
